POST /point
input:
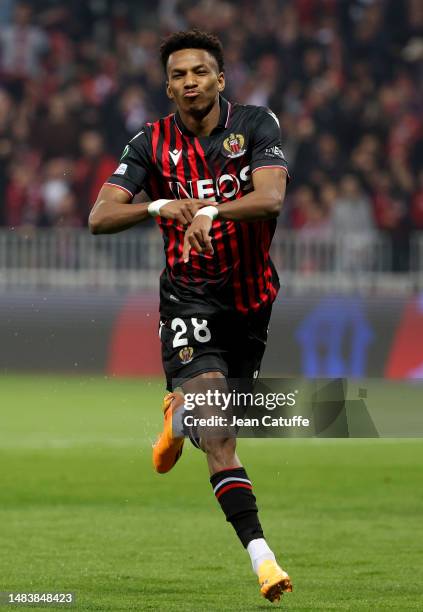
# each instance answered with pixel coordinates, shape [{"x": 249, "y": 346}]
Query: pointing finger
[{"x": 186, "y": 249}]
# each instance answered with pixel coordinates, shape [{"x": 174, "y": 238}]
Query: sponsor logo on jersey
[
  {"x": 234, "y": 145},
  {"x": 121, "y": 169},
  {"x": 175, "y": 155},
  {"x": 125, "y": 151},
  {"x": 274, "y": 152},
  {"x": 186, "y": 354},
  {"x": 225, "y": 186}
]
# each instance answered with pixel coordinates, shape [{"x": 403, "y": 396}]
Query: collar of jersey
[{"x": 225, "y": 111}]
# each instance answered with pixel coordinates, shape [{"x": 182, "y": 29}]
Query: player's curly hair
[{"x": 193, "y": 39}]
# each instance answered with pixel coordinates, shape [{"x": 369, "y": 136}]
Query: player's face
[{"x": 194, "y": 80}]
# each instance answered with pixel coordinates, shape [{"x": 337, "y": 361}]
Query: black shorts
[{"x": 232, "y": 344}]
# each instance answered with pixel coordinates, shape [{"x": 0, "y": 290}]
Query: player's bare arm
[
  {"x": 264, "y": 202},
  {"x": 114, "y": 212}
]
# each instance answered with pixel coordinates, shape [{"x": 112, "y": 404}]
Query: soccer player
[{"x": 216, "y": 175}]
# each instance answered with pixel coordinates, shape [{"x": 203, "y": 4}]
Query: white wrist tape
[
  {"x": 154, "y": 207},
  {"x": 210, "y": 211}
]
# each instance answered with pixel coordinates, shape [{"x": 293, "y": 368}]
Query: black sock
[{"x": 233, "y": 490}]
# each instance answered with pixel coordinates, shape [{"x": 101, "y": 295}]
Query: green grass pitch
[{"x": 82, "y": 510}]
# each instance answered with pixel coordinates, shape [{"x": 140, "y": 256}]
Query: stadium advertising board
[{"x": 311, "y": 336}]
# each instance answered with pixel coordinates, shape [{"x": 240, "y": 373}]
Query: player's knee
[{"x": 219, "y": 449}]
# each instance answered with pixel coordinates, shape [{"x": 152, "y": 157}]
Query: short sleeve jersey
[{"x": 167, "y": 161}]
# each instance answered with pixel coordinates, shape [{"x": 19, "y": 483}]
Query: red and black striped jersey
[{"x": 167, "y": 161}]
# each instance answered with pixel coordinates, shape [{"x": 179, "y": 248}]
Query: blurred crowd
[{"x": 344, "y": 76}]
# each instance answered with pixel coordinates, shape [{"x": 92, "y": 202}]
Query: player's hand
[
  {"x": 184, "y": 210},
  {"x": 197, "y": 236}
]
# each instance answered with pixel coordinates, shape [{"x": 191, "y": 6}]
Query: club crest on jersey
[
  {"x": 186, "y": 354},
  {"x": 234, "y": 145}
]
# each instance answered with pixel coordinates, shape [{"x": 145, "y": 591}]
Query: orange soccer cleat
[
  {"x": 167, "y": 449},
  {"x": 274, "y": 581}
]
